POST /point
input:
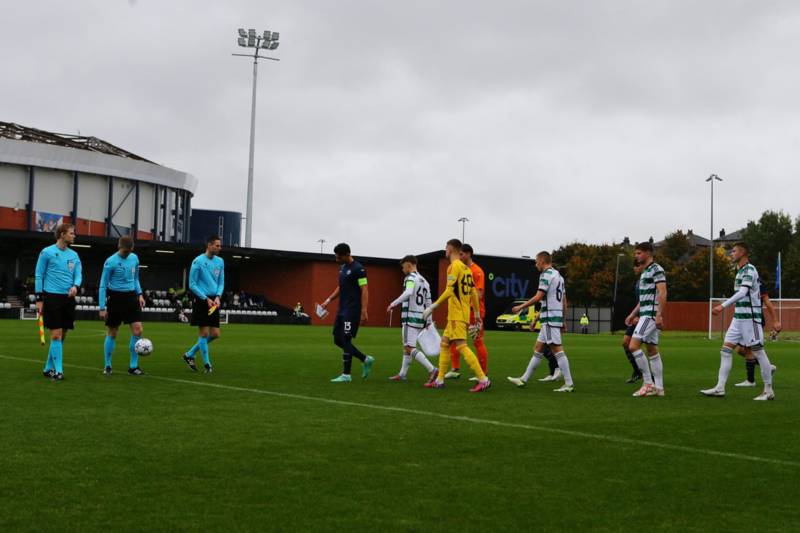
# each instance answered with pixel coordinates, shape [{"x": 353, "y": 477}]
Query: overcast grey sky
[{"x": 384, "y": 122}]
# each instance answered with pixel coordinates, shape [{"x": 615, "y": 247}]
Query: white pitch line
[{"x": 484, "y": 421}]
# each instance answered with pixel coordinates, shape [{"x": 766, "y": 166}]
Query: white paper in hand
[
  {"x": 321, "y": 311},
  {"x": 429, "y": 340}
]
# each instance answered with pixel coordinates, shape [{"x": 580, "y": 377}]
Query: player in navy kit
[{"x": 353, "y": 299}]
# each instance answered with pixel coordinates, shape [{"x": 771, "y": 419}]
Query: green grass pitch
[{"x": 168, "y": 452}]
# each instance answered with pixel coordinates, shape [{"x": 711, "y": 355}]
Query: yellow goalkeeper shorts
[{"x": 456, "y": 330}]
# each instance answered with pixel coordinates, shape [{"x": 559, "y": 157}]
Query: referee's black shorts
[
  {"x": 629, "y": 331},
  {"x": 58, "y": 311},
  {"x": 122, "y": 307},
  {"x": 200, "y": 316}
]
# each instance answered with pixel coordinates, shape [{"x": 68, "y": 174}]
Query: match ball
[{"x": 143, "y": 347}]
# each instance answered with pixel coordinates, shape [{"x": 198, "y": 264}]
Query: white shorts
[
  {"x": 550, "y": 335},
  {"x": 646, "y": 330},
  {"x": 748, "y": 333},
  {"x": 410, "y": 336}
]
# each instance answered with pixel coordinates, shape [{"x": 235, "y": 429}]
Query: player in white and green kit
[
  {"x": 415, "y": 299},
  {"x": 746, "y": 327},
  {"x": 551, "y": 294},
  {"x": 650, "y": 310}
]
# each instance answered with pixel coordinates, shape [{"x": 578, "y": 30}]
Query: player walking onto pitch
[
  {"x": 746, "y": 352},
  {"x": 415, "y": 299},
  {"x": 477, "y": 342},
  {"x": 121, "y": 301},
  {"x": 745, "y": 328},
  {"x": 650, "y": 309},
  {"x": 551, "y": 294},
  {"x": 207, "y": 283},
  {"x": 353, "y": 297},
  {"x": 460, "y": 294},
  {"x": 58, "y": 276}
]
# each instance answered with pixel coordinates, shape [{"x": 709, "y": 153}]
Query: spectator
[{"x": 584, "y": 324}]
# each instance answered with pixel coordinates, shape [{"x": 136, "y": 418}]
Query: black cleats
[
  {"x": 208, "y": 369},
  {"x": 136, "y": 371},
  {"x": 107, "y": 371},
  {"x": 49, "y": 373},
  {"x": 190, "y": 361},
  {"x": 634, "y": 378},
  {"x": 58, "y": 376}
]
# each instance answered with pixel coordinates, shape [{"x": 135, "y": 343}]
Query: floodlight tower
[
  {"x": 463, "y": 221},
  {"x": 268, "y": 40}
]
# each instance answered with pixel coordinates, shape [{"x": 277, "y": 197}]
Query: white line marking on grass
[{"x": 484, "y": 421}]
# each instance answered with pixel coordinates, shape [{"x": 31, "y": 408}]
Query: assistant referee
[{"x": 58, "y": 276}]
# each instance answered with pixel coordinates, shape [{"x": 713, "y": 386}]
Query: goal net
[{"x": 787, "y": 313}]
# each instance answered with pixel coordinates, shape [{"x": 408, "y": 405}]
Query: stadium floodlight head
[
  {"x": 276, "y": 36},
  {"x": 242, "y": 33},
  {"x": 273, "y": 45},
  {"x": 242, "y": 41},
  {"x": 251, "y": 42},
  {"x": 251, "y": 33},
  {"x": 713, "y": 177},
  {"x": 267, "y": 35}
]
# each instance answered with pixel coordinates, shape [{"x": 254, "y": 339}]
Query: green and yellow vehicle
[{"x": 522, "y": 321}]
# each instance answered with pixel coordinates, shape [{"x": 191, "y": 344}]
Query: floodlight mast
[{"x": 269, "y": 40}]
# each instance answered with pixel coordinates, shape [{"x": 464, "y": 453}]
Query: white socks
[
  {"x": 641, "y": 362},
  {"x": 725, "y": 365},
  {"x": 563, "y": 364},
  {"x": 766, "y": 368},
  {"x": 534, "y": 362},
  {"x": 422, "y": 359},
  {"x": 404, "y": 366},
  {"x": 658, "y": 370}
]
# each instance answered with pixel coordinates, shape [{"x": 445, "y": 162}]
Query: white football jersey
[
  {"x": 419, "y": 301},
  {"x": 552, "y": 310}
]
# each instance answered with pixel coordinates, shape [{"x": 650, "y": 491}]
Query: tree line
[{"x": 591, "y": 269}]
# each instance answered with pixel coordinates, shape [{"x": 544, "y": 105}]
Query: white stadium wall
[{"x": 42, "y": 185}]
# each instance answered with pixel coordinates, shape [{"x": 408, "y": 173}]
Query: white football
[{"x": 143, "y": 347}]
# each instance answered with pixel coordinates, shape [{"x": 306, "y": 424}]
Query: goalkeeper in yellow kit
[{"x": 460, "y": 295}]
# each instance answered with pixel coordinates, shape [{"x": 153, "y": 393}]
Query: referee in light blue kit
[
  {"x": 121, "y": 301},
  {"x": 58, "y": 276},
  {"x": 207, "y": 283}
]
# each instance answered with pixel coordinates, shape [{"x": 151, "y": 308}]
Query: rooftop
[{"x": 9, "y": 130}]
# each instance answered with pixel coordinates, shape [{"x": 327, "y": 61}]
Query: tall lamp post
[
  {"x": 463, "y": 221},
  {"x": 321, "y": 244},
  {"x": 711, "y": 179},
  {"x": 268, "y": 40}
]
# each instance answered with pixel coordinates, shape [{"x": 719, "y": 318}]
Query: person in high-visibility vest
[{"x": 584, "y": 324}]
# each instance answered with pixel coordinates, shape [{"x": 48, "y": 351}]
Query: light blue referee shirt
[
  {"x": 120, "y": 274},
  {"x": 57, "y": 270},
  {"x": 207, "y": 276}
]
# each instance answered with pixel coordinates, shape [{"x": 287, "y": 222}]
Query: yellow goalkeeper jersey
[{"x": 459, "y": 278}]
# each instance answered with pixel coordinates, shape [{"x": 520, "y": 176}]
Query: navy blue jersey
[{"x": 351, "y": 278}]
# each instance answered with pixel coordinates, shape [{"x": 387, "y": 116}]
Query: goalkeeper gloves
[
  {"x": 428, "y": 312},
  {"x": 475, "y": 329}
]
